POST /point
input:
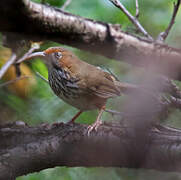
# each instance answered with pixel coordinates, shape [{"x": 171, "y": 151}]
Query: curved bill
[
  {"x": 31, "y": 56},
  {"x": 38, "y": 54}
]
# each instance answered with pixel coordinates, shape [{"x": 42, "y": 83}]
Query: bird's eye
[{"x": 58, "y": 55}]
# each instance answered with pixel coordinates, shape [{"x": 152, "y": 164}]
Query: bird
[{"x": 80, "y": 84}]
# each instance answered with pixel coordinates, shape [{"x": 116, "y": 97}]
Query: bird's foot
[{"x": 93, "y": 126}]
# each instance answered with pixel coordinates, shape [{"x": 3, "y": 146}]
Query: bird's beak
[
  {"x": 38, "y": 54},
  {"x": 31, "y": 56}
]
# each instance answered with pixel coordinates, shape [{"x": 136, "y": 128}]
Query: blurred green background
[{"x": 37, "y": 103}]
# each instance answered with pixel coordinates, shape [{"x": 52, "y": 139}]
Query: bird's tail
[{"x": 126, "y": 88}]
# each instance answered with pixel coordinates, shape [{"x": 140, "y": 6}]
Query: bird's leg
[
  {"x": 75, "y": 117},
  {"x": 97, "y": 123}
]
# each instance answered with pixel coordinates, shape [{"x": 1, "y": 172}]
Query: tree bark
[
  {"x": 40, "y": 22},
  {"x": 25, "y": 149}
]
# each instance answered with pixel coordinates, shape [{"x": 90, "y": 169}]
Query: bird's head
[{"x": 53, "y": 55}]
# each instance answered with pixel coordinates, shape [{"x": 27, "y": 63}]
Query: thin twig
[
  {"x": 34, "y": 47},
  {"x": 163, "y": 35},
  {"x": 41, "y": 77},
  {"x": 134, "y": 20},
  {"x": 13, "y": 81},
  {"x": 67, "y": 2},
  {"x": 13, "y": 59},
  {"x": 7, "y": 65},
  {"x": 137, "y": 9}
]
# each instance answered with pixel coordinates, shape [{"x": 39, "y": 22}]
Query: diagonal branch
[
  {"x": 35, "y": 46},
  {"x": 134, "y": 20},
  {"x": 6, "y": 66},
  {"x": 163, "y": 35},
  {"x": 41, "y": 77},
  {"x": 13, "y": 59}
]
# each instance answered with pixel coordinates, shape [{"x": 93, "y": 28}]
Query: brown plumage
[{"x": 80, "y": 84}]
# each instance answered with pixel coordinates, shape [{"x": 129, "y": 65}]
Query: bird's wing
[
  {"x": 104, "y": 86},
  {"x": 93, "y": 80}
]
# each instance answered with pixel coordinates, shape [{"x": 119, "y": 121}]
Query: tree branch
[
  {"x": 7, "y": 65},
  {"x": 41, "y": 77},
  {"x": 134, "y": 20},
  {"x": 137, "y": 9},
  {"x": 25, "y": 149},
  {"x": 163, "y": 35},
  {"x": 35, "y": 46},
  {"x": 44, "y": 22}
]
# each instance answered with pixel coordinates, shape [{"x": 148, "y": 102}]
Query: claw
[
  {"x": 94, "y": 126},
  {"x": 98, "y": 122}
]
